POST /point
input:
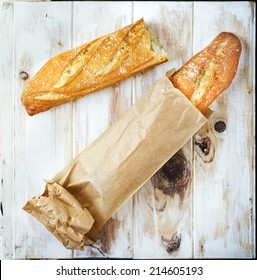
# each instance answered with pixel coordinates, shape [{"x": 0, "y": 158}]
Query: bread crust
[
  {"x": 91, "y": 67},
  {"x": 210, "y": 71}
]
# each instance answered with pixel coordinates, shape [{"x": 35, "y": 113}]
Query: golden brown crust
[
  {"x": 92, "y": 66},
  {"x": 210, "y": 71}
]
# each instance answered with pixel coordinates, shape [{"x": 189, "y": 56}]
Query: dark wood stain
[
  {"x": 173, "y": 243},
  {"x": 204, "y": 144},
  {"x": 107, "y": 236},
  {"x": 174, "y": 176},
  {"x": 205, "y": 140},
  {"x": 96, "y": 248},
  {"x": 201, "y": 246}
]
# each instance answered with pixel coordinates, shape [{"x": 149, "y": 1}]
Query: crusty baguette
[
  {"x": 93, "y": 66},
  {"x": 210, "y": 71}
]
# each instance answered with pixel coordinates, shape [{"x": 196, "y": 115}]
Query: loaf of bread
[
  {"x": 93, "y": 66},
  {"x": 210, "y": 71}
]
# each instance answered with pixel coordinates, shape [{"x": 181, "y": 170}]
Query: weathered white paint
[
  {"x": 42, "y": 144},
  {"x": 224, "y": 187},
  {"x": 94, "y": 113},
  {"x": 168, "y": 21},
  {"x": 215, "y": 220},
  {"x": 6, "y": 130}
]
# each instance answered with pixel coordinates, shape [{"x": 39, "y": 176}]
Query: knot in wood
[{"x": 174, "y": 176}]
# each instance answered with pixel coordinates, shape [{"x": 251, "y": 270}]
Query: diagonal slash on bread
[
  {"x": 93, "y": 66},
  {"x": 208, "y": 73}
]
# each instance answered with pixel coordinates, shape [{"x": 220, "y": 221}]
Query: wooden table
[{"x": 212, "y": 215}]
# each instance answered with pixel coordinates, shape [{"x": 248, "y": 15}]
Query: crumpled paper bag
[{"x": 80, "y": 199}]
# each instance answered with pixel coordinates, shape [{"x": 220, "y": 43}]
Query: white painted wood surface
[
  {"x": 224, "y": 197},
  {"x": 216, "y": 216}
]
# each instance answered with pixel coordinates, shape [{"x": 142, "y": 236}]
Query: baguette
[
  {"x": 93, "y": 66},
  {"x": 210, "y": 71}
]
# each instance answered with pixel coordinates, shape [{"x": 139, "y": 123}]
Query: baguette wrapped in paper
[{"x": 80, "y": 199}]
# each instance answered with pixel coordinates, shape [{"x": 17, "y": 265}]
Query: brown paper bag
[{"x": 83, "y": 196}]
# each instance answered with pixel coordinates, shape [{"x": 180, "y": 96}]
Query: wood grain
[
  {"x": 6, "y": 128},
  {"x": 165, "y": 219},
  {"x": 93, "y": 114},
  {"x": 223, "y": 183},
  {"x": 42, "y": 145}
]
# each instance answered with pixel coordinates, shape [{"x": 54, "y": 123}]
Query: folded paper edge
[{"x": 54, "y": 208}]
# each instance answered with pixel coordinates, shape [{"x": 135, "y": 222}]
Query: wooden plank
[
  {"x": 42, "y": 143},
  {"x": 253, "y": 78},
  {"x": 94, "y": 113},
  {"x": 162, "y": 225},
  {"x": 224, "y": 189},
  {"x": 6, "y": 138}
]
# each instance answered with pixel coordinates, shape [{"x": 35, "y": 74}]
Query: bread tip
[
  {"x": 233, "y": 37},
  {"x": 30, "y": 111}
]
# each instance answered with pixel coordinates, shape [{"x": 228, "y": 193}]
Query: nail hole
[
  {"x": 24, "y": 75},
  {"x": 220, "y": 126}
]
